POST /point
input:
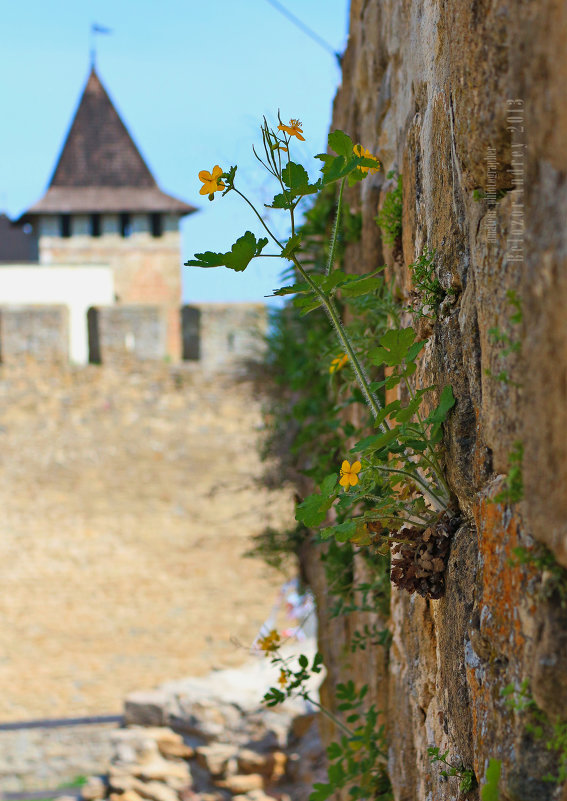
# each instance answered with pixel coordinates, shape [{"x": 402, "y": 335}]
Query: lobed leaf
[
  {"x": 237, "y": 258},
  {"x": 295, "y": 176},
  {"x": 340, "y": 143},
  {"x": 395, "y": 345}
]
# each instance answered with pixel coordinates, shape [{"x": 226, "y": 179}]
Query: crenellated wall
[{"x": 466, "y": 100}]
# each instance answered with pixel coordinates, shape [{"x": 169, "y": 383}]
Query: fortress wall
[
  {"x": 40, "y": 333},
  {"x": 146, "y": 269},
  {"x": 466, "y": 101}
]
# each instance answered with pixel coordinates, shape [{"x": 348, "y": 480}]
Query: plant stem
[
  {"x": 329, "y": 715},
  {"x": 335, "y": 229},
  {"x": 432, "y": 461},
  {"x": 438, "y": 503},
  {"x": 333, "y": 314},
  {"x": 238, "y": 192}
]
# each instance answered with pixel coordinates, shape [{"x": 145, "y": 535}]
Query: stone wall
[
  {"x": 218, "y": 336},
  {"x": 34, "y": 331},
  {"x": 146, "y": 269},
  {"x": 122, "y": 333},
  {"x": 466, "y": 101},
  {"x": 230, "y": 334}
]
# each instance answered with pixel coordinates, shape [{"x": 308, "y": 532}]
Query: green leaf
[
  {"x": 238, "y": 258},
  {"x": 280, "y": 201},
  {"x": 321, "y": 792},
  {"x": 334, "y": 751},
  {"x": 342, "y": 532},
  {"x": 329, "y": 282},
  {"x": 294, "y": 289},
  {"x": 292, "y": 244},
  {"x": 336, "y": 167},
  {"x": 446, "y": 402},
  {"x": 490, "y": 792},
  {"x": 308, "y": 303},
  {"x": 328, "y": 485},
  {"x": 295, "y": 176},
  {"x": 389, "y": 383},
  {"x": 387, "y": 410},
  {"x": 415, "y": 349},
  {"x": 340, "y": 143},
  {"x": 376, "y": 442},
  {"x": 363, "y": 285},
  {"x": 395, "y": 346},
  {"x": 303, "y": 661},
  {"x": 439, "y": 415},
  {"x": 313, "y": 511},
  {"x": 407, "y": 412}
]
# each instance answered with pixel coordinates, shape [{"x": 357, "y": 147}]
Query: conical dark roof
[
  {"x": 100, "y": 169},
  {"x": 98, "y": 150}
]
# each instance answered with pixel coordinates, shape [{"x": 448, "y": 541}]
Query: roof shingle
[{"x": 100, "y": 169}]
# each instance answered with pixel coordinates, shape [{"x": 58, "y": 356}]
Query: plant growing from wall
[
  {"x": 553, "y": 733},
  {"x": 510, "y": 343},
  {"x": 554, "y": 575},
  {"x": 389, "y": 218},
  {"x": 513, "y": 491},
  {"x": 397, "y": 471},
  {"x": 358, "y": 758},
  {"x": 490, "y": 790},
  {"x": 428, "y": 292},
  {"x": 466, "y": 775}
]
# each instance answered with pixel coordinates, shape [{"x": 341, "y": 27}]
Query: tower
[{"x": 103, "y": 205}]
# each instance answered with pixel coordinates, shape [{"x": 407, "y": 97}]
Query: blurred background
[
  {"x": 131, "y": 485},
  {"x": 191, "y": 82}
]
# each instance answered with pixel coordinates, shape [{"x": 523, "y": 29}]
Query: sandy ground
[{"x": 128, "y": 499}]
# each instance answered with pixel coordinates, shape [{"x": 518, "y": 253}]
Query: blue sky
[{"x": 192, "y": 81}]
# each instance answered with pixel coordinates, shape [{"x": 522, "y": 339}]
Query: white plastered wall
[{"x": 76, "y": 287}]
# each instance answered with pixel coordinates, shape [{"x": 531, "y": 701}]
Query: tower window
[
  {"x": 95, "y": 224},
  {"x": 156, "y": 224},
  {"x": 125, "y": 224},
  {"x": 65, "y": 225}
]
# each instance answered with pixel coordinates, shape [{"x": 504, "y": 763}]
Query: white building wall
[{"x": 78, "y": 288}]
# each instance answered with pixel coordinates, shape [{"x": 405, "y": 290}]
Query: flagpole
[
  {"x": 92, "y": 47},
  {"x": 96, "y": 28}
]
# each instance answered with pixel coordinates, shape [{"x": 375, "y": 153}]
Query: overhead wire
[{"x": 306, "y": 29}]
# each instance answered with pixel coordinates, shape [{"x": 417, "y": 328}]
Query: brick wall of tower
[{"x": 146, "y": 269}]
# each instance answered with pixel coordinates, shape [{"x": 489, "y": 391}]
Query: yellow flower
[
  {"x": 366, "y": 154},
  {"x": 283, "y": 678},
  {"x": 211, "y": 183},
  {"x": 269, "y": 643},
  {"x": 349, "y": 474},
  {"x": 293, "y": 129},
  {"x": 338, "y": 363}
]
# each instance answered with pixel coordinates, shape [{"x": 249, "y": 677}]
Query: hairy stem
[
  {"x": 329, "y": 715},
  {"x": 333, "y": 314},
  {"x": 335, "y": 229}
]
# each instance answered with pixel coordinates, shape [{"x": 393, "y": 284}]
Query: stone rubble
[{"x": 210, "y": 739}]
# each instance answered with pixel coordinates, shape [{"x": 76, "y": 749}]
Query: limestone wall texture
[
  {"x": 36, "y": 332},
  {"x": 466, "y": 100},
  {"x": 129, "y": 332},
  {"x": 231, "y": 334}
]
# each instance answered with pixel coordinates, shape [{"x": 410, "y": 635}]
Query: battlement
[{"x": 219, "y": 337}]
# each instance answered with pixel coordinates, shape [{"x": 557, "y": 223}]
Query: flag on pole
[{"x": 95, "y": 28}]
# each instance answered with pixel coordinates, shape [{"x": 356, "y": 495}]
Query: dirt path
[{"x": 128, "y": 499}]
